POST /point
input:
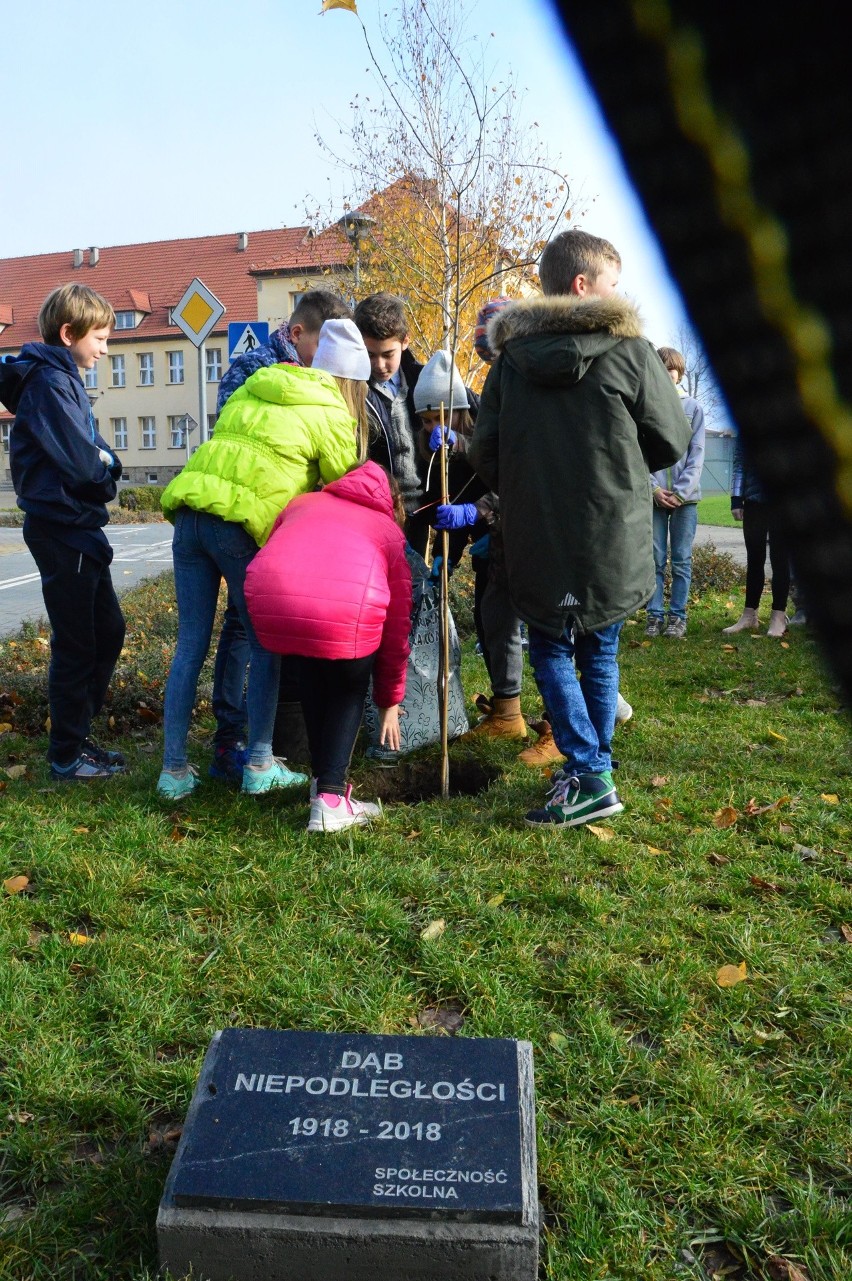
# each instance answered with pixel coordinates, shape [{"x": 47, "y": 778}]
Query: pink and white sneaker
[{"x": 332, "y": 813}]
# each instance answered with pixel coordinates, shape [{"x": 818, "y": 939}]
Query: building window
[
  {"x": 90, "y": 378},
  {"x": 175, "y": 366},
  {"x": 211, "y": 423},
  {"x": 214, "y": 364},
  {"x": 151, "y": 478},
  {"x": 148, "y": 433},
  {"x": 5, "y": 433},
  {"x": 146, "y": 369},
  {"x": 176, "y": 422},
  {"x": 125, "y": 320},
  {"x": 119, "y": 433},
  {"x": 118, "y": 374}
]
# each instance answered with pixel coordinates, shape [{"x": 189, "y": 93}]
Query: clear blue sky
[{"x": 132, "y": 122}]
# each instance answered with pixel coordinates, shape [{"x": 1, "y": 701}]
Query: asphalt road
[
  {"x": 143, "y": 551},
  {"x": 140, "y": 551}
]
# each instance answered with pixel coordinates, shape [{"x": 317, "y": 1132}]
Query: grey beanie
[
  {"x": 433, "y": 385},
  {"x": 341, "y": 351}
]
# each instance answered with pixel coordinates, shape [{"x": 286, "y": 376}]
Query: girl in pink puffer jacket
[{"x": 333, "y": 586}]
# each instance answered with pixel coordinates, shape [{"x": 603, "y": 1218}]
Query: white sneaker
[
  {"x": 348, "y": 812},
  {"x": 623, "y": 711}
]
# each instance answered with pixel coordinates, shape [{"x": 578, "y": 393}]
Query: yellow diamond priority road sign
[{"x": 197, "y": 312}]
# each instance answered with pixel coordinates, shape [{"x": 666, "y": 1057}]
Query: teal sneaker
[
  {"x": 276, "y": 775},
  {"x": 575, "y": 800},
  {"x": 174, "y": 787}
]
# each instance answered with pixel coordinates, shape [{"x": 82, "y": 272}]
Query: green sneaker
[
  {"x": 274, "y": 776},
  {"x": 575, "y": 800},
  {"x": 174, "y": 787}
]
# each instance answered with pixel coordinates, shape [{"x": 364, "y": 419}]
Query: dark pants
[
  {"x": 87, "y": 636},
  {"x": 333, "y": 691},
  {"x": 759, "y": 525},
  {"x": 229, "y": 681}
]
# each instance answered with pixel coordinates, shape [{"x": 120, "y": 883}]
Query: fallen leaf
[
  {"x": 725, "y": 817},
  {"x": 729, "y": 648},
  {"x": 79, "y": 940},
  {"x": 805, "y": 854},
  {"x": 15, "y": 884},
  {"x": 659, "y": 780},
  {"x": 20, "y": 1118},
  {"x": 753, "y": 808},
  {"x": 785, "y": 644},
  {"x": 763, "y": 1038},
  {"x": 830, "y": 798},
  {"x": 433, "y": 930},
  {"x": 558, "y": 1041},
  {"x": 780, "y": 737},
  {"x": 5, "y": 727},
  {"x": 495, "y": 900},
  {"x": 785, "y": 829},
  {"x": 718, "y": 860},
  {"x": 602, "y": 833},
  {"x": 652, "y": 849},
  {"x": 448, "y": 1019},
  {"x": 771, "y": 886},
  {"x": 178, "y": 834},
  {"x": 16, "y": 771},
  {"x": 783, "y": 1270},
  {"x": 79, "y": 830},
  {"x": 730, "y": 975},
  {"x": 410, "y": 836},
  {"x": 846, "y": 931}
]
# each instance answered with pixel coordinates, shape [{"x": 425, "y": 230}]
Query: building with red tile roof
[{"x": 148, "y": 381}]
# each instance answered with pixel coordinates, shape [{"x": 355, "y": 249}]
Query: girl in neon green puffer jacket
[{"x": 285, "y": 430}]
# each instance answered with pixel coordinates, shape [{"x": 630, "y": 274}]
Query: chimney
[
  {"x": 94, "y": 255},
  {"x": 78, "y": 257},
  {"x": 242, "y": 242}
]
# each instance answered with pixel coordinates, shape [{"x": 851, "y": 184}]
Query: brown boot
[
  {"x": 545, "y": 751},
  {"x": 748, "y": 621},
  {"x": 503, "y": 721}
]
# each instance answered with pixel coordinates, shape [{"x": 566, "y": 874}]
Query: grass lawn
[
  {"x": 685, "y": 1129},
  {"x": 716, "y": 510}
]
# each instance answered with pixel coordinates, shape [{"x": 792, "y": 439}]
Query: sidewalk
[{"x": 724, "y": 540}]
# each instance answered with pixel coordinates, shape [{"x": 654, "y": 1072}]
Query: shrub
[
  {"x": 714, "y": 571},
  {"x": 140, "y": 498}
]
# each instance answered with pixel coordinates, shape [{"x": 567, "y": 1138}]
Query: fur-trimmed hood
[{"x": 554, "y": 339}]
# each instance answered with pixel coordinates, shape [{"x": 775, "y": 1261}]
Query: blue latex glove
[
  {"x": 455, "y": 515},
  {"x": 436, "y": 568},
  {"x": 435, "y": 438}
]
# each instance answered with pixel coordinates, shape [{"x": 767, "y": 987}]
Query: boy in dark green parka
[{"x": 575, "y": 412}]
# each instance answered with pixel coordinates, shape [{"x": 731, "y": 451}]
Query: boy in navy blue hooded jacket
[{"x": 64, "y": 474}]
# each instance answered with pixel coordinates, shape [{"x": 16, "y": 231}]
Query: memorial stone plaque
[{"x": 310, "y": 1123}]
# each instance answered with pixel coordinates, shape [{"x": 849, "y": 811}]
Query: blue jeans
[
  {"x": 205, "y": 550},
  {"x": 582, "y": 713},
  {"x": 229, "y": 680},
  {"x": 677, "y": 528}
]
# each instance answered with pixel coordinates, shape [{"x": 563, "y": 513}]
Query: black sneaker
[
  {"x": 228, "y": 761},
  {"x": 115, "y": 760},
  {"x": 84, "y": 769},
  {"x": 654, "y": 625},
  {"x": 576, "y": 800}
]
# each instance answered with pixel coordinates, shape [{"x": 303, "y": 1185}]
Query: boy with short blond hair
[
  {"x": 390, "y": 405},
  {"x": 64, "y": 475},
  {"x": 576, "y": 410}
]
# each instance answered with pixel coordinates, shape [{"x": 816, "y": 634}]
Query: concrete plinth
[{"x": 226, "y": 1245}]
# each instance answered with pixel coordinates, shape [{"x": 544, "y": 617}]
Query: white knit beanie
[
  {"x": 341, "y": 351},
  {"x": 433, "y": 385}
]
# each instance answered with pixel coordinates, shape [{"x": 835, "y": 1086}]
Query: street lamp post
[{"x": 354, "y": 224}]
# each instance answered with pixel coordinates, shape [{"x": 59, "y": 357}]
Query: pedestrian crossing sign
[{"x": 245, "y": 336}]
